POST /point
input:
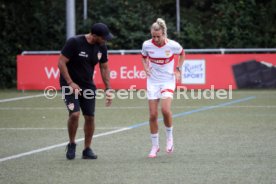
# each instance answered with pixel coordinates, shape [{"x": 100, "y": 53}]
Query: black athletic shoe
[
  {"x": 71, "y": 151},
  {"x": 88, "y": 154}
]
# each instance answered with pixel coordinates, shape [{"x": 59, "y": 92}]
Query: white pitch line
[
  {"x": 33, "y": 128},
  {"x": 20, "y": 98},
  {"x": 32, "y": 108},
  {"x": 62, "y": 144},
  {"x": 63, "y": 108},
  {"x": 98, "y": 128}
]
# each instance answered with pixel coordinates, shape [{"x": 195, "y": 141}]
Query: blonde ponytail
[{"x": 159, "y": 25}]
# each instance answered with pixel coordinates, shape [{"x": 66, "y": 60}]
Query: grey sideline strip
[{"x": 20, "y": 98}]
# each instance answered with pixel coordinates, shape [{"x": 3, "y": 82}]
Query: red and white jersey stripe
[{"x": 161, "y": 59}]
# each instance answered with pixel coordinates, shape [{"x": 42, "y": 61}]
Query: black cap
[{"x": 100, "y": 29}]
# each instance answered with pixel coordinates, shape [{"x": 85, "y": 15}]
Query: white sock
[
  {"x": 155, "y": 140},
  {"x": 169, "y": 132}
]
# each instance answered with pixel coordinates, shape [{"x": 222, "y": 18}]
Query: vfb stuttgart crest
[
  {"x": 99, "y": 55},
  {"x": 71, "y": 106},
  {"x": 168, "y": 52}
]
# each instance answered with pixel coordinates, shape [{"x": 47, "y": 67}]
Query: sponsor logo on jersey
[
  {"x": 83, "y": 54},
  {"x": 162, "y": 60}
]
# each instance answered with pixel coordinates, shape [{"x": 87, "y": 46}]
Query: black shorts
[{"x": 84, "y": 102}]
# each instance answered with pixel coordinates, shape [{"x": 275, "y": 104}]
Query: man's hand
[
  {"x": 75, "y": 87},
  {"x": 108, "y": 97}
]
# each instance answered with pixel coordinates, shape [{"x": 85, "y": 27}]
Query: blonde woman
[{"x": 158, "y": 61}]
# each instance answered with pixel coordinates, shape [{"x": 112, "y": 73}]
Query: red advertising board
[{"x": 36, "y": 72}]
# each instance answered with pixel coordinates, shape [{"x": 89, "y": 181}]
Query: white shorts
[{"x": 160, "y": 90}]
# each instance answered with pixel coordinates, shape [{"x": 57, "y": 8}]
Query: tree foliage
[{"x": 40, "y": 25}]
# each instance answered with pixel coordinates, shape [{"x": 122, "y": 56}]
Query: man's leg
[
  {"x": 88, "y": 108},
  {"x": 89, "y": 127},
  {"x": 72, "y": 125},
  {"x": 72, "y": 105}
]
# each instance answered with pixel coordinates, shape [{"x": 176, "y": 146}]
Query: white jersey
[{"x": 161, "y": 60}]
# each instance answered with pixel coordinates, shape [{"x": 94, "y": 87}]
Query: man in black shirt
[{"x": 76, "y": 63}]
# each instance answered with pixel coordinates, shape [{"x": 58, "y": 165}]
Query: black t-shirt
[{"x": 82, "y": 59}]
